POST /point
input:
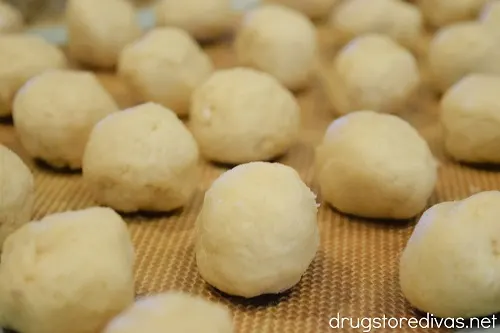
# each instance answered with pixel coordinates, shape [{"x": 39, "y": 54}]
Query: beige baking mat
[{"x": 355, "y": 273}]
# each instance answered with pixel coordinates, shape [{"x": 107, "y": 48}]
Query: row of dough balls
[
  {"x": 388, "y": 79},
  {"x": 165, "y": 65},
  {"x": 235, "y": 250},
  {"x": 208, "y": 19},
  {"x": 273, "y": 39},
  {"x": 66, "y": 118}
]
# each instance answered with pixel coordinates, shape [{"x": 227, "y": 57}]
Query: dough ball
[
  {"x": 154, "y": 167},
  {"x": 173, "y": 312},
  {"x": 68, "y": 272},
  {"x": 99, "y": 30},
  {"x": 165, "y": 66},
  {"x": 373, "y": 72},
  {"x": 439, "y": 13},
  {"x": 11, "y": 19},
  {"x": 17, "y": 193},
  {"x": 203, "y": 19},
  {"x": 461, "y": 49},
  {"x": 375, "y": 166},
  {"x": 257, "y": 231},
  {"x": 450, "y": 264},
  {"x": 23, "y": 57},
  {"x": 280, "y": 41},
  {"x": 395, "y": 18},
  {"x": 55, "y": 112},
  {"x": 315, "y": 9},
  {"x": 490, "y": 17},
  {"x": 242, "y": 115},
  {"x": 470, "y": 119}
]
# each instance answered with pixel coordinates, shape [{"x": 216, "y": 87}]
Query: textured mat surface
[{"x": 355, "y": 271}]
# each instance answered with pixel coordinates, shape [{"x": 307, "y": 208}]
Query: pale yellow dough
[
  {"x": 397, "y": 19},
  {"x": 55, "y": 112},
  {"x": 173, "y": 312},
  {"x": 17, "y": 193},
  {"x": 23, "y": 57},
  {"x": 376, "y": 166},
  {"x": 461, "y": 49},
  {"x": 490, "y": 17},
  {"x": 143, "y": 158},
  {"x": 315, "y": 9},
  {"x": 11, "y": 20},
  {"x": 165, "y": 67},
  {"x": 68, "y": 272},
  {"x": 440, "y": 13},
  {"x": 280, "y": 41},
  {"x": 373, "y": 72},
  {"x": 257, "y": 231},
  {"x": 203, "y": 19},
  {"x": 450, "y": 265},
  {"x": 470, "y": 119},
  {"x": 98, "y": 30},
  {"x": 242, "y": 115}
]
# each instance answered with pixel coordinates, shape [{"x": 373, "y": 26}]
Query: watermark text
[{"x": 427, "y": 322}]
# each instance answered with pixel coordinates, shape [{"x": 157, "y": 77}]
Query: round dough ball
[
  {"x": 203, "y": 19},
  {"x": 165, "y": 67},
  {"x": 242, "y": 115},
  {"x": 23, "y": 57},
  {"x": 152, "y": 168},
  {"x": 373, "y": 72},
  {"x": 11, "y": 19},
  {"x": 173, "y": 312},
  {"x": 55, "y": 112},
  {"x": 439, "y": 13},
  {"x": 257, "y": 231},
  {"x": 470, "y": 119},
  {"x": 68, "y": 272},
  {"x": 375, "y": 166},
  {"x": 397, "y": 19},
  {"x": 280, "y": 41},
  {"x": 17, "y": 193},
  {"x": 450, "y": 264},
  {"x": 461, "y": 49},
  {"x": 99, "y": 30},
  {"x": 315, "y": 9}
]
